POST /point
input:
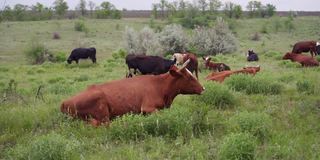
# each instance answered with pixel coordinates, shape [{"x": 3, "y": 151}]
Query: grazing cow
[
  {"x": 221, "y": 76},
  {"x": 148, "y": 64},
  {"x": 251, "y": 56},
  {"x": 141, "y": 94},
  {"x": 307, "y": 46},
  {"x": 305, "y": 61},
  {"x": 193, "y": 65},
  {"x": 82, "y": 53},
  {"x": 215, "y": 66}
]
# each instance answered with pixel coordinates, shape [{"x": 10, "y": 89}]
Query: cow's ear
[
  {"x": 203, "y": 58},
  {"x": 174, "y": 72}
]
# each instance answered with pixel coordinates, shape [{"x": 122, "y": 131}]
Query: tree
[
  {"x": 38, "y": 7},
  {"x": 7, "y": 13},
  {"x": 271, "y": 9},
  {"x": 155, "y": 10},
  {"x": 254, "y": 7},
  {"x": 19, "y": 11},
  {"x": 203, "y": 5},
  {"x": 162, "y": 6},
  {"x": 237, "y": 12},
  {"x": 107, "y": 6},
  {"x": 60, "y": 7},
  {"x": 229, "y": 9},
  {"x": 214, "y": 5},
  {"x": 91, "y": 6},
  {"x": 82, "y": 7}
]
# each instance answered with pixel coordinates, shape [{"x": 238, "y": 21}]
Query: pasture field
[{"x": 274, "y": 115}]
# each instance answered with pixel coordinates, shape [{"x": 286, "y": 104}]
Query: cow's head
[
  {"x": 318, "y": 49},
  {"x": 206, "y": 60},
  {"x": 287, "y": 56},
  {"x": 250, "y": 52},
  {"x": 92, "y": 50},
  {"x": 184, "y": 81},
  {"x": 69, "y": 61}
]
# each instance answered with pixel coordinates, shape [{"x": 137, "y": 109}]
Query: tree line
[
  {"x": 59, "y": 9},
  {"x": 200, "y": 12}
]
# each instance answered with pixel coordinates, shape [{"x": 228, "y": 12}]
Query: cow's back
[{"x": 303, "y": 46}]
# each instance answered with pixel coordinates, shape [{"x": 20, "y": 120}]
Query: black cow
[
  {"x": 251, "y": 56},
  {"x": 82, "y": 53},
  {"x": 148, "y": 64}
]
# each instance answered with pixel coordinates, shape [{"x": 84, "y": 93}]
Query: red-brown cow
[
  {"x": 221, "y": 76},
  {"x": 306, "y": 46},
  {"x": 193, "y": 65},
  {"x": 215, "y": 66},
  {"x": 305, "y": 61},
  {"x": 142, "y": 94}
]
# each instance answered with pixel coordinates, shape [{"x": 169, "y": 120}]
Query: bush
[
  {"x": 48, "y": 147},
  {"x": 36, "y": 53},
  {"x": 61, "y": 57},
  {"x": 217, "y": 96},
  {"x": 173, "y": 39},
  {"x": 253, "y": 85},
  {"x": 218, "y": 39},
  {"x": 143, "y": 42},
  {"x": 306, "y": 87},
  {"x": 119, "y": 54},
  {"x": 237, "y": 146},
  {"x": 257, "y": 124},
  {"x": 80, "y": 26},
  {"x": 169, "y": 123}
]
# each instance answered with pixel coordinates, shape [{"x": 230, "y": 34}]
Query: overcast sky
[{"x": 282, "y": 5}]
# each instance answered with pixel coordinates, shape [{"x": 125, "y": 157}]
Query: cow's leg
[
  {"x": 77, "y": 61},
  {"x": 147, "y": 108}
]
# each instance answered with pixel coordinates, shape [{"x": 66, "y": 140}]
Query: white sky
[{"x": 282, "y": 5}]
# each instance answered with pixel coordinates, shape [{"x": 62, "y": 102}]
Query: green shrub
[
  {"x": 318, "y": 58},
  {"x": 80, "y": 26},
  {"x": 217, "y": 96},
  {"x": 305, "y": 86},
  {"x": 240, "y": 146},
  {"x": 61, "y": 57},
  {"x": 274, "y": 54},
  {"x": 35, "y": 53},
  {"x": 170, "y": 123},
  {"x": 119, "y": 54},
  {"x": 253, "y": 85},
  {"x": 257, "y": 124},
  {"x": 48, "y": 147}
]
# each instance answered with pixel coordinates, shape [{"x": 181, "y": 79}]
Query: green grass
[{"x": 279, "y": 106}]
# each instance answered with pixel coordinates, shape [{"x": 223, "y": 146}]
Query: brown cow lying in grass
[
  {"x": 215, "y": 66},
  {"x": 305, "y": 61},
  {"x": 221, "y": 76},
  {"x": 142, "y": 94}
]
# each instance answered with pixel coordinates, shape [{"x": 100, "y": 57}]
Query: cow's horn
[
  {"x": 185, "y": 64},
  {"x": 258, "y": 65}
]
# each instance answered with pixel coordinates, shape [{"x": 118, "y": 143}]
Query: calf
[
  {"x": 221, "y": 76},
  {"x": 304, "y": 60},
  {"x": 307, "y": 46},
  {"x": 141, "y": 94},
  {"x": 82, "y": 53},
  {"x": 251, "y": 56},
  {"x": 215, "y": 66},
  {"x": 148, "y": 64}
]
